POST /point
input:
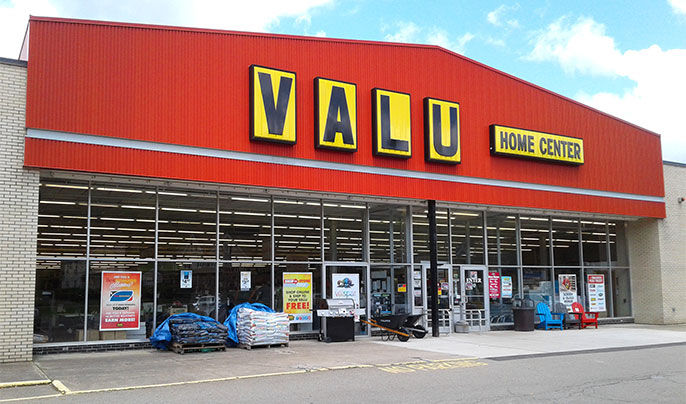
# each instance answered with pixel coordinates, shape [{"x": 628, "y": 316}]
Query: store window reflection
[
  {"x": 147, "y": 270},
  {"x": 501, "y": 306},
  {"x": 537, "y": 285},
  {"x": 420, "y": 234},
  {"x": 185, "y": 287},
  {"x": 618, "y": 246},
  {"x": 122, "y": 221},
  {"x": 390, "y": 293},
  {"x": 467, "y": 232},
  {"x": 502, "y": 239},
  {"x": 343, "y": 231},
  {"x": 243, "y": 283},
  {"x": 594, "y": 242},
  {"x": 187, "y": 225},
  {"x": 62, "y": 218},
  {"x": 565, "y": 242},
  {"x": 244, "y": 228},
  {"x": 297, "y": 230},
  {"x": 60, "y": 297},
  {"x": 387, "y": 233},
  {"x": 535, "y": 240}
]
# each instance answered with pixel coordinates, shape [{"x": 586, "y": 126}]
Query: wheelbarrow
[{"x": 401, "y": 325}]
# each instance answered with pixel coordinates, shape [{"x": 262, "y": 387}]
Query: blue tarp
[
  {"x": 162, "y": 336},
  {"x": 230, "y": 322}
]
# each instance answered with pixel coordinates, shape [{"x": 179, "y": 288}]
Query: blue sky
[{"x": 627, "y": 58}]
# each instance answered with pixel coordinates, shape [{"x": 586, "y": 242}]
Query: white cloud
[
  {"x": 495, "y": 42},
  {"x": 656, "y": 99},
  {"x": 14, "y": 15},
  {"x": 219, "y": 14},
  {"x": 441, "y": 38},
  {"x": 495, "y": 17},
  {"x": 409, "y": 32},
  {"x": 320, "y": 34},
  {"x": 678, "y": 6}
]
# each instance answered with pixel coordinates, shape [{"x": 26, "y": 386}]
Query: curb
[{"x": 24, "y": 383}]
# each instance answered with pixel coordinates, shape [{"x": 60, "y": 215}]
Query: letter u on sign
[
  {"x": 441, "y": 131},
  {"x": 272, "y": 105}
]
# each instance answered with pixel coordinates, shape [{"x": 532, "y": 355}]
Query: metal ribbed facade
[{"x": 191, "y": 87}]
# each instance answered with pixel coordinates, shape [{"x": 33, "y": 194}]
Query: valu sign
[{"x": 273, "y": 117}]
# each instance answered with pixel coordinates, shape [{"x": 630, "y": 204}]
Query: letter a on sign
[
  {"x": 391, "y": 132},
  {"x": 335, "y": 119},
  {"x": 272, "y": 109},
  {"x": 441, "y": 131}
]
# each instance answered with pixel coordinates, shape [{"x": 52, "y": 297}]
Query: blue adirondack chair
[{"x": 546, "y": 317}]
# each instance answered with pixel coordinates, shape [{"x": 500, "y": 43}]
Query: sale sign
[
  {"x": 120, "y": 301},
  {"x": 494, "y": 285},
  {"x": 567, "y": 288},
  {"x": 297, "y": 296},
  {"x": 596, "y": 293}
]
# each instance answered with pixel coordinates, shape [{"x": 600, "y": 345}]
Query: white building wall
[{"x": 18, "y": 220}]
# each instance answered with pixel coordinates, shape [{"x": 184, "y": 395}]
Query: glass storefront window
[
  {"x": 535, "y": 240},
  {"x": 96, "y": 269},
  {"x": 618, "y": 247},
  {"x": 387, "y": 233},
  {"x": 297, "y": 230},
  {"x": 232, "y": 292},
  {"x": 60, "y": 299},
  {"x": 343, "y": 231},
  {"x": 420, "y": 234},
  {"x": 502, "y": 239},
  {"x": 621, "y": 292},
  {"x": 62, "y": 218},
  {"x": 187, "y": 225},
  {"x": 122, "y": 221},
  {"x": 467, "y": 232},
  {"x": 172, "y": 298},
  {"x": 594, "y": 243},
  {"x": 317, "y": 298},
  {"x": 390, "y": 292},
  {"x": 537, "y": 285},
  {"x": 565, "y": 242},
  {"x": 245, "y": 224},
  {"x": 501, "y": 307}
]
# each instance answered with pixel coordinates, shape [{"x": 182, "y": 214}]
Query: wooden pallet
[
  {"x": 183, "y": 348},
  {"x": 246, "y": 346}
]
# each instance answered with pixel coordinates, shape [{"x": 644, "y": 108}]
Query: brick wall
[
  {"x": 673, "y": 245},
  {"x": 646, "y": 271},
  {"x": 18, "y": 220},
  {"x": 657, "y": 249}
]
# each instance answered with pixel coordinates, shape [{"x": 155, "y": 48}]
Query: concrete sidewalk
[{"x": 81, "y": 372}]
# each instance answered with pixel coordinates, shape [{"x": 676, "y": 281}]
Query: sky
[{"x": 623, "y": 57}]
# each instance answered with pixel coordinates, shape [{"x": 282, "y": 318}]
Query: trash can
[{"x": 523, "y": 313}]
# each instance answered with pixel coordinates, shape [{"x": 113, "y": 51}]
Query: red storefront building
[{"x": 234, "y": 156}]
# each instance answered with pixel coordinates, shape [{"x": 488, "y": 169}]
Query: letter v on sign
[{"x": 272, "y": 105}]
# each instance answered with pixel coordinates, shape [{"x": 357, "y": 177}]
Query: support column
[{"x": 433, "y": 270}]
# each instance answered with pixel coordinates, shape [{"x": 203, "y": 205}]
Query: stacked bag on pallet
[
  {"x": 194, "y": 331},
  {"x": 261, "y": 327},
  {"x": 188, "y": 328}
]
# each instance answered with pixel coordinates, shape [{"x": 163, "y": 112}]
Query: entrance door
[
  {"x": 474, "y": 303},
  {"x": 349, "y": 280},
  {"x": 445, "y": 297}
]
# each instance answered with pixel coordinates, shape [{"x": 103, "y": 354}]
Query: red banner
[{"x": 494, "y": 285}]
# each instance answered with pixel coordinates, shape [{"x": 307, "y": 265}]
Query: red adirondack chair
[{"x": 586, "y": 318}]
